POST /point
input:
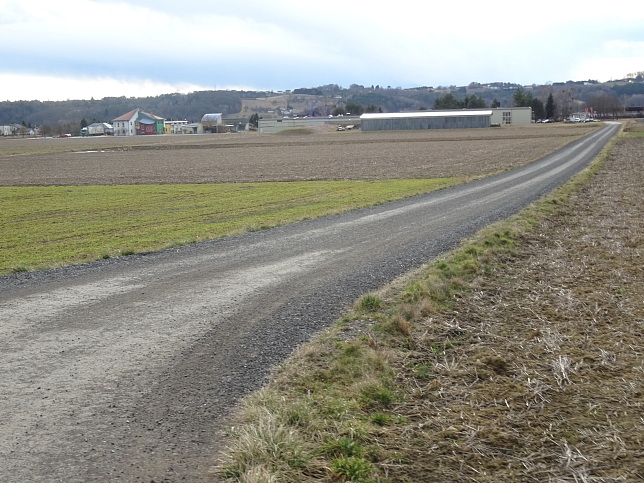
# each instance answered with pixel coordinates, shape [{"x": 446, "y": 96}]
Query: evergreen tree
[
  {"x": 550, "y": 107},
  {"x": 254, "y": 120},
  {"x": 521, "y": 98},
  {"x": 448, "y": 101},
  {"x": 475, "y": 102},
  {"x": 538, "y": 111}
]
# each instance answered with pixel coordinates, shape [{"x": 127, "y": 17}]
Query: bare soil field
[{"x": 252, "y": 157}]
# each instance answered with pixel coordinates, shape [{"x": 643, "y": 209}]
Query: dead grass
[{"x": 517, "y": 358}]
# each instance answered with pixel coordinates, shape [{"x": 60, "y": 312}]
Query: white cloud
[
  {"x": 83, "y": 45},
  {"x": 53, "y": 88}
]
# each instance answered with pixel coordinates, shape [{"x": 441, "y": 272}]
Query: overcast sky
[{"x": 78, "y": 49}]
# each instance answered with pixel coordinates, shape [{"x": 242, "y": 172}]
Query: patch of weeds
[
  {"x": 377, "y": 395},
  {"x": 369, "y": 303},
  {"x": 350, "y": 349},
  {"x": 439, "y": 289},
  {"x": 423, "y": 370},
  {"x": 342, "y": 447},
  {"x": 105, "y": 256},
  {"x": 473, "y": 251},
  {"x": 436, "y": 349},
  {"x": 381, "y": 419},
  {"x": 125, "y": 253},
  {"x": 298, "y": 415},
  {"x": 400, "y": 324},
  {"x": 572, "y": 438},
  {"x": 352, "y": 468},
  {"x": 337, "y": 408},
  {"x": 19, "y": 269},
  {"x": 267, "y": 444},
  {"x": 470, "y": 266},
  {"x": 414, "y": 292},
  {"x": 503, "y": 239}
]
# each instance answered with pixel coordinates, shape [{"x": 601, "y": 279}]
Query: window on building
[{"x": 507, "y": 117}]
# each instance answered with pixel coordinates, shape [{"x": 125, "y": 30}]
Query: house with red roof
[{"x": 136, "y": 123}]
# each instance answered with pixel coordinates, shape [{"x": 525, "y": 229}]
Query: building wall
[
  {"x": 147, "y": 129},
  {"x": 124, "y": 128},
  {"x": 173, "y": 127},
  {"x": 516, "y": 116}
]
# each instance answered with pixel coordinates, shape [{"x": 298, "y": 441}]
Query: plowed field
[{"x": 250, "y": 157}]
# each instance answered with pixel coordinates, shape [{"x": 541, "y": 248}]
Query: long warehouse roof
[{"x": 402, "y": 115}]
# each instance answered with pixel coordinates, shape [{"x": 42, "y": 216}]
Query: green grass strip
[{"x": 45, "y": 227}]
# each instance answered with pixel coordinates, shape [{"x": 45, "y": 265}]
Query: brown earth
[
  {"x": 542, "y": 377},
  {"x": 251, "y": 157}
]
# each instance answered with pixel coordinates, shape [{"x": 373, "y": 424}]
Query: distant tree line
[
  {"x": 449, "y": 101},
  {"x": 557, "y": 100}
]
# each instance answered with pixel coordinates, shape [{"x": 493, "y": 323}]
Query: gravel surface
[{"x": 126, "y": 369}]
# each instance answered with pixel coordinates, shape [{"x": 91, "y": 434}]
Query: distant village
[{"x": 139, "y": 123}]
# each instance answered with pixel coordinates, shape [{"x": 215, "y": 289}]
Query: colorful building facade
[{"x": 138, "y": 123}]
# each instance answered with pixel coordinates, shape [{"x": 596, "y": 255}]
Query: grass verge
[
  {"x": 44, "y": 227},
  {"x": 485, "y": 365}
]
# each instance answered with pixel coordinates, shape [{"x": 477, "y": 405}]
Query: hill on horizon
[{"x": 66, "y": 116}]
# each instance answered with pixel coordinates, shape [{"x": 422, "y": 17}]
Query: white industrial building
[
  {"x": 442, "y": 119},
  {"x": 402, "y": 121},
  {"x": 446, "y": 119}
]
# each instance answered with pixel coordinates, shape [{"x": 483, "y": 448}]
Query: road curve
[{"x": 125, "y": 369}]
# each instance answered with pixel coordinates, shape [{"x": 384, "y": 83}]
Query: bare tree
[{"x": 605, "y": 104}]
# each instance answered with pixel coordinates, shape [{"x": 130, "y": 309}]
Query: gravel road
[{"x": 126, "y": 369}]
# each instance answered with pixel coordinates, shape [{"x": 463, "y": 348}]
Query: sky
[{"x": 83, "y": 49}]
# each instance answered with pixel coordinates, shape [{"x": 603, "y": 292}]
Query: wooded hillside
[{"x": 67, "y": 116}]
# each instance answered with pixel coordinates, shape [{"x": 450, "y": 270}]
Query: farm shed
[
  {"x": 398, "y": 121},
  {"x": 213, "y": 122},
  {"x": 192, "y": 128}
]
